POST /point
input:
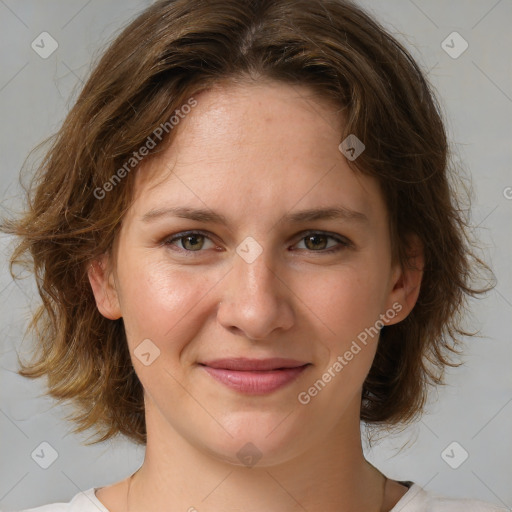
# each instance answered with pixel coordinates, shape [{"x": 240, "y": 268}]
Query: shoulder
[
  {"x": 416, "y": 499},
  {"x": 85, "y": 501}
]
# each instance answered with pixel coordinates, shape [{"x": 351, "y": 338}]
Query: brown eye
[
  {"x": 192, "y": 242},
  {"x": 189, "y": 242},
  {"x": 318, "y": 242},
  {"x": 313, "y": 242}
]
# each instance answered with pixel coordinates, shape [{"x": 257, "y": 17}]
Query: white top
[{"x": 414, "y": 500}]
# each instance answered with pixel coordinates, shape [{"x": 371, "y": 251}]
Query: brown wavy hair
[{"x": 173, "y": 50}]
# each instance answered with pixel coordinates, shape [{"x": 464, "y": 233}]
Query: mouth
[{"x": 254, "y": 376}]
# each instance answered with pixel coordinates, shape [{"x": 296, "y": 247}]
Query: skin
[{"x": 254, "y": 153}]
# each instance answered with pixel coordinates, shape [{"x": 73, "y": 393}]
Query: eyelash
[{"x": 344, "y": 243}]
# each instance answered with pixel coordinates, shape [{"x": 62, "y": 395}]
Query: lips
[
  {"x": 254, "y": 376},
  {"x": 244, "y": 364}
]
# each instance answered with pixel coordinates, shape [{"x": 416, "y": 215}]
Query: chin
[{"x": 258, "y": 440}]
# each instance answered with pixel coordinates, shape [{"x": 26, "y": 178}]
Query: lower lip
[{"x": 255, "y": 382}]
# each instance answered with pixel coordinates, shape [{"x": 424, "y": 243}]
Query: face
[{"x": 259, "y": 278}]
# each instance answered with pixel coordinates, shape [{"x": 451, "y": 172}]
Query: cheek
[
  {"x": 157, "y": 301},
  {"x": 348, "y": 303},
  {"x": 346, "y": 300}
]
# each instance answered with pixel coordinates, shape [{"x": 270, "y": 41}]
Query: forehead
[{"x": 270, "y": 144}]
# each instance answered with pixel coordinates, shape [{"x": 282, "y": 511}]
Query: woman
[{"x": 245, "y": 244}]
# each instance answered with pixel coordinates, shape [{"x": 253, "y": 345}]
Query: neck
[{"x": 331, "y": 475}]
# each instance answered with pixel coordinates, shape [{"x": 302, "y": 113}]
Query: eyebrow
[{"x": 210, "y": 216}]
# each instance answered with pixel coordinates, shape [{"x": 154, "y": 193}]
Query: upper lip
[{"x": 245, "y": 364}]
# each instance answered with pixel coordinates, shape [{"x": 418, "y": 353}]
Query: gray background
[{"x": 474, "y": 409}]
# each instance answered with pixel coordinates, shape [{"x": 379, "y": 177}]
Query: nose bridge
[
  {"x": 255, "y": 300},
  {"x": 253, "y": 271}
]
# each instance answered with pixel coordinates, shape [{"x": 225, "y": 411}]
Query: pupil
[
  {"x": 192, "y": 237},
  {"x": 313, "y": 237}
]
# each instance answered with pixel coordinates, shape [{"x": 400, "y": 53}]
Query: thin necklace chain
[
  {"x": 131, "y": 477},
  {"x": 128, "y": 491}
]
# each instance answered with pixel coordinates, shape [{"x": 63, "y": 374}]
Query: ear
[
  {"x": 103, "y": 288},
  {"x": 406, "y": 282}
]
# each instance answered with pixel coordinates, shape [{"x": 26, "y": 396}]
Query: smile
[{"x": 255, "y": 377}]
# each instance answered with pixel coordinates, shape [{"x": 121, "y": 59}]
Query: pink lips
[{"x": 254, "y": 376}]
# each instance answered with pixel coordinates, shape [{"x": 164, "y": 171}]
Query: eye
[
  {"x": 317, "y": 241},
  {"x": 190, "y": 241}
]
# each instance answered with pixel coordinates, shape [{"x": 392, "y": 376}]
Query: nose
[{"x": 256, "y": 301}]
